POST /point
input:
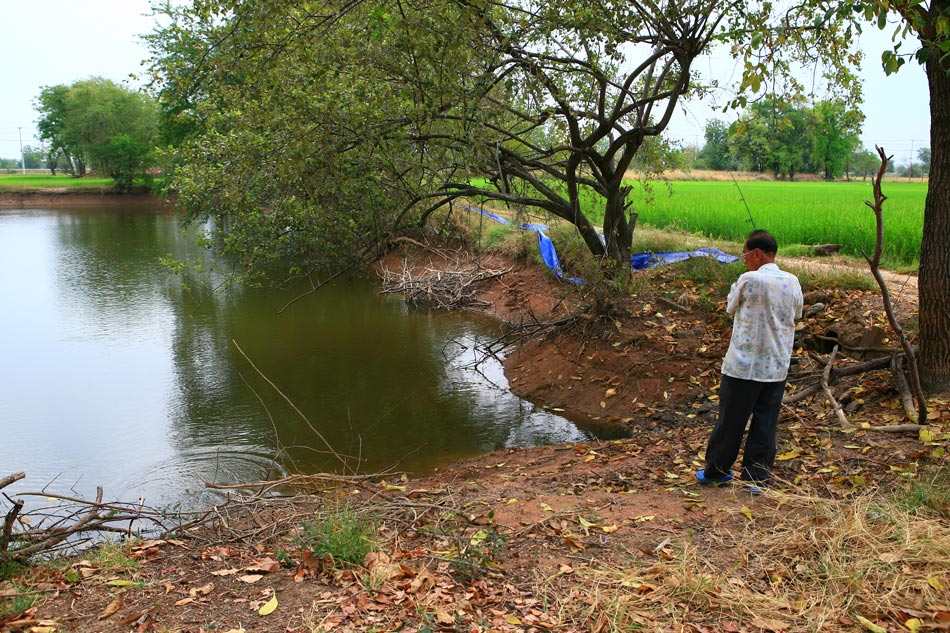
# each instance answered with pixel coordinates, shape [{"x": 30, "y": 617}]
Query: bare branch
[
  {"x": 874, "y": 262},
  {"x": 831, "y": 398}
]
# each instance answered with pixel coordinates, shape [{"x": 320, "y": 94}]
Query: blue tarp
[{"x": 639, "y": 261}]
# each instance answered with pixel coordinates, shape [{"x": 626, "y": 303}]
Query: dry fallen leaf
[
  {"x": 444, "y": 618},
  {"x": 269, "y": 607},
  {"x": 250, "y": 578},
  {"x": 111, "y": 608},
  {"x": 225, "y": 572},
  {"x": 422, "y": 583},
  {"x": 870, "y": 626},
  {"x": 203, "y": 590},
  {"x": 264, "y": 566}
]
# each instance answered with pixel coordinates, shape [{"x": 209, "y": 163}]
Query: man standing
[{"x": 764, "y": 302}]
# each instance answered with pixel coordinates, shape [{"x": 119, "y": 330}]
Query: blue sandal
[{"x": 703, "y": 479}]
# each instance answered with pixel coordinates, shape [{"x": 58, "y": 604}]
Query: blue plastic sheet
[
  {"x": 640, "y": 261},
  {"x": 549, "y": 254}
]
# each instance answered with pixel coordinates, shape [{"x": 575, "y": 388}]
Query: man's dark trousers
[{"x": 739, "y": 399}]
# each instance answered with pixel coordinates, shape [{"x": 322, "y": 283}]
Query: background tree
[
  {"x": 863, "y": 162},
  {"x": 715, "y": 153},
  {"x": 33, "y": 157},
  {"x": 772, "y": 136},
  {"x": 54, "y": 158},
  {"x": 834, "y": 133},
  {"x": 99, "y": 123},
  {"x": 923, "y": 155},
  {"x": 115, "y": 127},
  {"x": 51, "y": 105}
]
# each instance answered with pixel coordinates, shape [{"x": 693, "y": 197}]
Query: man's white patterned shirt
[{"x": 765, "y": 304}]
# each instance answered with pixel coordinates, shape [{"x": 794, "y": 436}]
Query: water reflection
[{"x": 116, "y": 373}]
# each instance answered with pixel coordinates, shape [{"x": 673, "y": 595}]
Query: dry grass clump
[{"x": 812, "y": 564}]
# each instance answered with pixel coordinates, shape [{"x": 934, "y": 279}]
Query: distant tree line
[
  {"x": 98, "y": 124},
  {"x": 787, "y": 138},
  {"x": 33, "y": 158}
]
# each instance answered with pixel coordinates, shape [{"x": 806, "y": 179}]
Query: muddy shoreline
[{"x": 63, "y": 197}]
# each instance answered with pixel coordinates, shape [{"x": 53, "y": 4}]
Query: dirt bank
[{"x": 64, "y": 197}]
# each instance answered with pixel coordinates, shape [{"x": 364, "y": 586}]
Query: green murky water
[{"x": 115, "y": 373}]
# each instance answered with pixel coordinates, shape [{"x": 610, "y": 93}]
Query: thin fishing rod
[{"x": 742, "y": 197}]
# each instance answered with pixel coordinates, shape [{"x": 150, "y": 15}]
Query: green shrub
[{"x": 340, "y": 535}]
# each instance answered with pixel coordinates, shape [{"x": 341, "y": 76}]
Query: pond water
[{"x": 116, "y": 373}]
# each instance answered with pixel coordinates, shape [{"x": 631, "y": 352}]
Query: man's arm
[{"x": 734, "y": 300}]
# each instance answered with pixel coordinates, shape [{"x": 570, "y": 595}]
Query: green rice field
[{"x": 805, "y": 213}]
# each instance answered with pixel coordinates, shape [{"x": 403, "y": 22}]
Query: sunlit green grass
[
  {"x": 796, "y": 213},
  {"x": 22, "y": 182}
]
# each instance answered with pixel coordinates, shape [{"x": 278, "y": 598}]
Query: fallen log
[{"x": 824, "y": 249}]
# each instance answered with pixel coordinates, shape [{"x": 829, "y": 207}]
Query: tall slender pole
[
  {"x": 22, "y": 157},
  {"x": 910, "y": 172}
]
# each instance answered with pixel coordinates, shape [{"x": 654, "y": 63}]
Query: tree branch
[{"x": 874, "y": 262}]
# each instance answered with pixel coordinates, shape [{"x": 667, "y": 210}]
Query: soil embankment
[{"x": 65, "y": 197}]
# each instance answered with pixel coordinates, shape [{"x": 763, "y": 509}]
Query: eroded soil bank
[{"x": 64, "y": 197}]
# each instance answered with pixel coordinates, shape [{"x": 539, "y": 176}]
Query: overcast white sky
[{"x": 62, "y": 41}]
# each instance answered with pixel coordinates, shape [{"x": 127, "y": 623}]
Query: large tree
[
  {"x": 715, "y": 153},
  {"x": 863, "y": 162},
  {"x": 98, "y": 122},
  {"x": 772, "y": 136},
  {"x": 785, "y": 136},
  {"x": 834, "y": 134},
  {"x": 539, "y": 105},
  {"x": 52, "y": 106}
]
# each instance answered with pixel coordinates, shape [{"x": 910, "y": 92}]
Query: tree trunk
[
  {"x": 618, "y": 233},
  {"x": 934, "y": 279},
  {"x": 591, "y": 238},
  {"x": 69, "y": 161}
]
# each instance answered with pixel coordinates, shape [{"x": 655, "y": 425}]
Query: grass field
[
  {"x": 21, "y": 182},
  {"x": 796, "y": 213}
]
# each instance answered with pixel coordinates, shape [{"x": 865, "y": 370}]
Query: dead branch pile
[
  {"x": 66, "y": 522},
  {"x": 818, "y": 374},
  {"x": 448, "y": 288}
]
